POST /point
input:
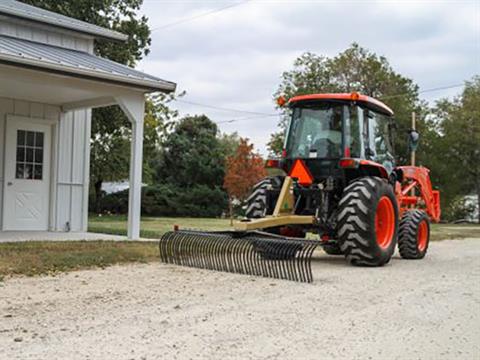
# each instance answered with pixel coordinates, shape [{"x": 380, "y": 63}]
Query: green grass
[
  {"x": 50, "y": 257},
  {"x": 152, "y": 227},
  {"x": 452, "y": 231}
]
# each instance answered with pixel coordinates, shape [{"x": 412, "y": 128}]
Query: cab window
[{"x": 379, "y": 140}]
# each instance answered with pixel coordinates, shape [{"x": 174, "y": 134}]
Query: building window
[{"x": 29, "y": 163}]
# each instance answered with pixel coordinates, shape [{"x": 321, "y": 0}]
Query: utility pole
[{"x": 412, "y": 159}]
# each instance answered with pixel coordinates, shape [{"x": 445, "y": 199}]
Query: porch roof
[{"x": 33, "y": 55}]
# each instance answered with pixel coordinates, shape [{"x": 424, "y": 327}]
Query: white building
[{"x": 49, "y": 82}]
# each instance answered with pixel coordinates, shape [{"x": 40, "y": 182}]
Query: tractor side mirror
[{"x": 413, "y": 138}]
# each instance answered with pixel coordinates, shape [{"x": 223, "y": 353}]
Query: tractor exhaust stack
[{"x": 252, "y": 253}]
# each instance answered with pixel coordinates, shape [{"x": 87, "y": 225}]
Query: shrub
[{"x": 170, "y": 200}]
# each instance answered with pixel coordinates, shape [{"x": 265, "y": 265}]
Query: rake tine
[
  {"x": 239, "y": 256},
  {"x": 282, "y": 266},
  {"x": 233, "y": 255},
  {"x": 187, "y": 250},
  {"x": 309, "y": 262},
  {"x": 278, "y": 250},
  {"x": 305, "y": 251}
]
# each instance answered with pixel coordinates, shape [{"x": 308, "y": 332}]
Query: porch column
[{"x": 134, "y": 107}]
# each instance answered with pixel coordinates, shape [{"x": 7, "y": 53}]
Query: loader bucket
[{"x": 253, "y": 253}]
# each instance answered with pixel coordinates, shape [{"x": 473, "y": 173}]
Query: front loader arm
[{"x": 416, "y": 191}]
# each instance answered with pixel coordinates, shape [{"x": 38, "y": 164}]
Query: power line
[
  {"x": 246, "y": 118},
  {"x": 425, "y": 91},
  {"x": 441, "y": 88},
  {"x": 259, "y": 115},
  {"x": 188, "y": 19},
  {"x": 224, "y": 108}
]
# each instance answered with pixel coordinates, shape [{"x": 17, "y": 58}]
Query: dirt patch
[{"x": 427, "y": 309}]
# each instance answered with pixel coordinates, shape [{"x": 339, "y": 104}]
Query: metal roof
[
  {"x": 45, "y": 57},
  {"x": 32, "y": 13}
]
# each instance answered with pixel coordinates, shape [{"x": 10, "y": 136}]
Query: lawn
[
  {"x": 50, "y": 257},
  {"x": 154, "y": 227}
]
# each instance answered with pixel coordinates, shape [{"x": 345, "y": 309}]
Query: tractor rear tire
[
  {"x": 332, "y": 249},
  {"x": 414, "y": 234},
  {"x": 257, "y": 206},
  {"x": 367, "y": 222}
]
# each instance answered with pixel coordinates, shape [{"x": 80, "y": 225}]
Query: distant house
[
  {"x": 472, "y": 201},
  {"x": 112, "y": 187},
  {"x": 49, "y": 82}
]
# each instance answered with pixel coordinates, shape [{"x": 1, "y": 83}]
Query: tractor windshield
[{"x": 316, "y": 131}]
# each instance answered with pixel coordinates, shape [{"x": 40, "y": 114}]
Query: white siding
[
  {"x": 45, "y": 34},
  {"x": 70, "y": 151},
  {"x": 72, "y": 176}
]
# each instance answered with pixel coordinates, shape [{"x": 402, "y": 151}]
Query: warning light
[
  {"x": 354, "y": 96},
  {"x": 281, "y": 101},
  {"x": 301, "y": 173}
]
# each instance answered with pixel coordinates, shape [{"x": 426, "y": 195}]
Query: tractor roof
[{"x": 368, "y": 101}]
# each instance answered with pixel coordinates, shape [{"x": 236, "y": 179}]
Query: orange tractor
[{"x": 340, "y": 181}]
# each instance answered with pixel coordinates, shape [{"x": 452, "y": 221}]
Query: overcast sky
[{"x": 233, "y": 58}]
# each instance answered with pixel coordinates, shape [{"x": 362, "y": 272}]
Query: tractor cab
[{"x": 330, "y": 133}]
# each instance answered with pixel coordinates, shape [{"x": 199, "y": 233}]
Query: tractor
[{"x": 337, "y": 178}]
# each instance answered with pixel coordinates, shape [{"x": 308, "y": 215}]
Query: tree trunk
[
  {"x": 230, "y": 209},
  {"x": 98, "y": 195}
]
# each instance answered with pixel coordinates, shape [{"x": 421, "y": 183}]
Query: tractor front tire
[
  {"x": 414, "y": 234},
  {"x": 367, "y": 222},
  {"x": 257, "y": 206}
]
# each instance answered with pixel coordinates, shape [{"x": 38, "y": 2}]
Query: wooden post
[{"x": 412, "y": 156}]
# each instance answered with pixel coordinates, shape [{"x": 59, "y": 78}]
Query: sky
[{"x": 231, "y": 54}]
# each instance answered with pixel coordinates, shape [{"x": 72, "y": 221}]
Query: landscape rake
[{"x": 253, "y": 253}]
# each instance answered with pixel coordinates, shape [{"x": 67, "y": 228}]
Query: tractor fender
[{"x": 373, "y": 168}]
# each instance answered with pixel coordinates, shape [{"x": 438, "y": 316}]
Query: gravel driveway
[{"x": 426, "y": 309}]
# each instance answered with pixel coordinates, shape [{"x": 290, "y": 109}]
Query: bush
[
  {"x": 170, "y": 200},
  {"x": 461, "y": 208}
]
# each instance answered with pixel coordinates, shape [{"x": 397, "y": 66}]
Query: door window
[{"x": 29, "y": 160}]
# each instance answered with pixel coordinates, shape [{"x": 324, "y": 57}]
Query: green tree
[
  {"x": 192, "y": 163},
  {"x": 355, "y": 69},
  {"x": 192, "y": 154},
  {"x": 456, "y": 144},
  {"x": 229, "y": 143}
]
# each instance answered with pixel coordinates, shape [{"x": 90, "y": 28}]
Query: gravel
[{"x": 428, "y": 309}]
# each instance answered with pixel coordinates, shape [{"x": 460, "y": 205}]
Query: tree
[
  {"x": 192, "y": 154},
  {"x": 229, "y": 143},
  {"x": 355, "y": 69},
  {"x": 243, "y": 170},
  {"x": 191, "y": 164},
  {"x": 456, "y": 155}
]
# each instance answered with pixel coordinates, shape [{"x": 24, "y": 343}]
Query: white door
[{"x": 27, "y": 175}]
